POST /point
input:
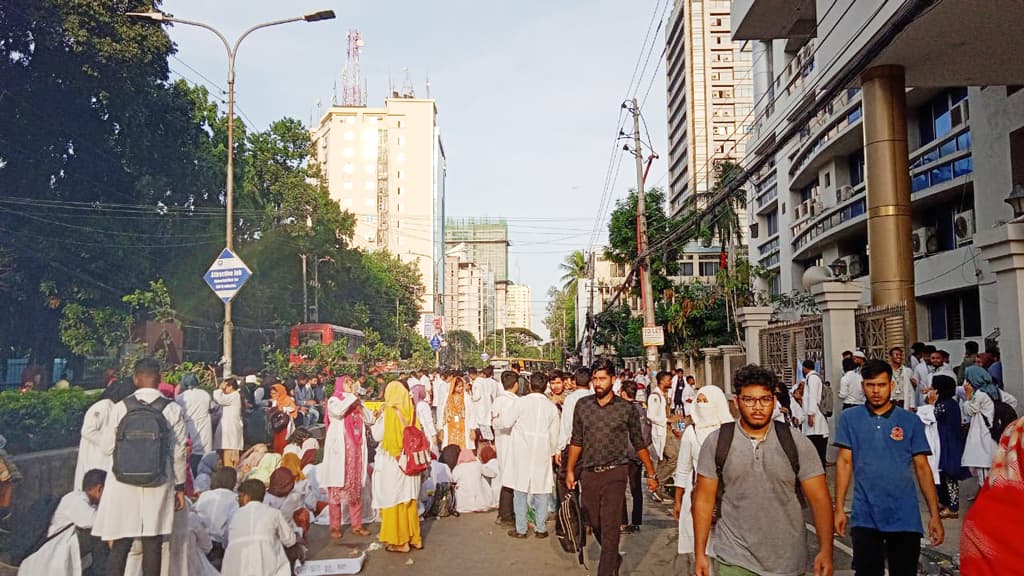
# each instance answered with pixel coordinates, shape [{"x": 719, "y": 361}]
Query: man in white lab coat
[
  {"x": 503, "y": 415},
  {"x": 128, "y": 511},
  {"x": 217, "y": 506},
  {"x": 815, "y": 425},
  {"x": 440, "y": 397},
  {"x": 657, "y": 413},
  {"x": 534, "y": 444},
  {"x": 198, "y": 407},
  {"x": 258, "y": 536},
  {"x": 229, "y": 437},
  {"x": 483, "y": 397}
]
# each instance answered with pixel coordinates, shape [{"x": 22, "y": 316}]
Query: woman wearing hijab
[
  {"x": 287, "y": 492},
  {"x": 990, "y": 536},
  {"x": 343, "y": 472},
  {"x": 90, "y": 454},
  {"x": 394, "y": 493},
  {"x": 951, "y": 444},
  {"x": 709, "y": 411},
  {"x": 197, "y": 405},
  {"x": 457, "y": 420},
  {"x": 283, "y": 402},
  {"x": 424, "y": 414},
  {"x": 980, "y": 406},
  {"x": 472, "y": 491}
]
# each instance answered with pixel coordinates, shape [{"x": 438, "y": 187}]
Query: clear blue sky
[{"x": 528, "y": 94}]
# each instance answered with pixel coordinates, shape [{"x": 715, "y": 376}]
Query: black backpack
[
  {"x": 443, "y": 504},
  {"x": 32, "y": 528},
  {"x": 785, "y": 436},
  {"x": 569, "y": 525},
  {"x": 1002, "y": 415},
  {"x": 142, "y": 449}
]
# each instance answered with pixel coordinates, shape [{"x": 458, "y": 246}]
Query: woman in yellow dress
[{"x": 395, "y": 493}]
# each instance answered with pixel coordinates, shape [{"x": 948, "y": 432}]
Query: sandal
[
  {"x": 415, "y": 547},
  {"x": 360, "y": 531},
  {"x": 403, "y": 549},
  {"x": 336, "y": 534}
]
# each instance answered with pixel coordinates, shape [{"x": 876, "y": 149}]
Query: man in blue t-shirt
[{"x": 885, "y": 445}]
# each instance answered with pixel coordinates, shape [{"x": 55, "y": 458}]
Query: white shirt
[
  {"x": 813, "y": 388},
  {"x": 197, "y": 405},
  {"x": 568, "y": 411},
  {"x": 74, "y": 508},
  {"x": 426, "y": 419},
  {"x": 534, "y": 442},
  {"x": 851, "y": 390},
  {"x": 904, "y": 388},
  {"x": 256, "y": 542},
  {"x": 217, "y": 508}
]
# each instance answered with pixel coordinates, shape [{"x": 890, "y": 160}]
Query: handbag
[{"x": 415, "y": 457}]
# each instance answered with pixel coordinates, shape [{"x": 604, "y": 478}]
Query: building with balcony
[
  {"x": 517, "y": 307},
  {"x": 883, "y": 146},
  {"x": 469, "y": 289},
  {"x": 386, "y": 166}
]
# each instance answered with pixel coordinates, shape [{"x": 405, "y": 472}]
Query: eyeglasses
[{"x": 763, "y": 401}]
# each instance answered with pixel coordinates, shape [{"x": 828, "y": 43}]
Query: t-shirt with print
[
  {"x": 762, "y": 526},
  {"x": 883, "y": 446}
]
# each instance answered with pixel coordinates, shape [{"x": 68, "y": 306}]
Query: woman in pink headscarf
[{"x": 343, "y": 473}]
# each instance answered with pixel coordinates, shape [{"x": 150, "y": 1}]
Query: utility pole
[
  {"x": 646, "y": 297},
  {"x": 305, "y": 291},
  {"x": 591, "y": 323}
]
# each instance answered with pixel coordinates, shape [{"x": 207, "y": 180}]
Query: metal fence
[{"x": 880, "y": 328}]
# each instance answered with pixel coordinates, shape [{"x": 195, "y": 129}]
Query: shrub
[{"x": 43, "y": 420}]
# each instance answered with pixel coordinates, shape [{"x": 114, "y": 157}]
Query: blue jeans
[{"x": 541, "y": 505}]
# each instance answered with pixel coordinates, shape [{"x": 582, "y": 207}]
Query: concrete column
[
  {"x": 709, "y": 375},
  {"x": 753, "y": 319},
  {"x": 838, "y": 302},
  {"x": 888, "y": 189},
  {"x": 1003, "y": 247},
  {"x": 732, "y": 360}
]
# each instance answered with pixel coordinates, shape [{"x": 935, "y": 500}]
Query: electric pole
[{"x": 651, "y": 342}]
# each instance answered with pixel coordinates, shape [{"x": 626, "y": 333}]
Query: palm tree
[{"x": 574, "y": 267}]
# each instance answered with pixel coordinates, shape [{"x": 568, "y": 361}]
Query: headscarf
[
  {"x": 419, "y": 393},
  {"x": 945, "y": 386},
  {"x": 340, "y": 384},
  {"x": 265, "y": 468},
  {"x": 990, "y": 538},
  {"x": 466, "y": 456},
  {"x": 118, "y": 390},
  {"x": 709, "y": 416},
  {"x": 208, "y": 463},
  {"x": 279, "y": 394},
  {"x": 189, "y": 381},
  {"x": 294, "y": 464},
  {"x": 450, "y": 456},
  {"x": 282, "y": 482},
  {"x": 309, "y": 450},
  {"x": 487, "y": 453},
  {"x": 981, "y": 380},
  {"x": 167, "y": 390},
  {"x": 250, "y": 459},
  {"x": 396, "y": 403}
]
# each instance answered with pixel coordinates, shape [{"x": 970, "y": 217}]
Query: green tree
[{"x": 573, "y": 267}]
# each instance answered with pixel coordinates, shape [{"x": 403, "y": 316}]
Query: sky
[{"x": 528, "y": 97}]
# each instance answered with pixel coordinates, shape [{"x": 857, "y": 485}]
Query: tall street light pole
[
  {"x": 646, "y": 294},
  {"x": 229, "y": 200}
]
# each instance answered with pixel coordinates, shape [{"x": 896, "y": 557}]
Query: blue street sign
[
  {"x": 435, "y": 343},
  {"x": 226, "y": 275}
]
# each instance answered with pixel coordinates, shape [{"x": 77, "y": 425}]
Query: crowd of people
[{"x": 235, "y": 479}]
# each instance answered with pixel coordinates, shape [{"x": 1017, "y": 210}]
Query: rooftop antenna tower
[
  {"x": 353, "y": 92},
  {"x": 408, "y": 90}
]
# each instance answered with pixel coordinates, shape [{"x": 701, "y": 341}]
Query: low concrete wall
[{"x": 47, "y": 472}]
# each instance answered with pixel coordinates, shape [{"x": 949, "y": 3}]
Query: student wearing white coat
[
  {"x": 710, "y": 410},
  {"x": 503, "y": 415},
  {"x": 128, "y": 512},
  {"x": 91, "y": 455},
  {"x": 257, "y": 537},
  {"x": 198, "y": 407},
  {"x": 980, "y": 406},
  {"x": 815, "y": 425},
  {"x": 534, "y": 444},
  {"x": 657, "y": 413},
  {"x": 228, "y": 439}
]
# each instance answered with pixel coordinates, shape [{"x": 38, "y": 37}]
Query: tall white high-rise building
[
  {"x": 517, "y": 307},
  {"x": 387, "y": 166}
]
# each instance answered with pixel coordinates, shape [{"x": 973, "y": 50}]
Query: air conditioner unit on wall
[
  {"x": 844, "y": 193},
  {"x": 963, "y": 227},
  {"x": 816, "y": 207},
  {"x": 960, "y": 113},
  {"x": 924, "y": 241}
]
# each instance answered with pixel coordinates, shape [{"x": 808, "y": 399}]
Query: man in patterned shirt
[{"x": 604, "y": 428}]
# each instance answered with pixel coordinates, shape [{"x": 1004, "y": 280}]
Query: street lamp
[
  {"x": 1016, "y": 200},
  {"x": 232, "y": 51}
]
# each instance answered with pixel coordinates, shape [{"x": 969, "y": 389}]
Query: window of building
[
  {"x": 938, "y": 117},
  {"x": 349, "y": 135},
  {"x": 369, "y": 185},
  {"x": 775, "y": 285},
  {"x": 771, "y": 223},
  {"x": 709, "y": 267},
  {"x": 828, "y": 179},
  {"x": 346, "y": 186},
  {"x": 856, "y": 165},
  {"x": 347, "y": 168},
  {"x": 954, "y": 316},
  {"x": 347, "y": 152},
  {"x": 686, "y": 268}
]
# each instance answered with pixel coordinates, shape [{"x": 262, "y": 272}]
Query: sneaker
[
  {"x": 541, "y": 535},
  {"x": 515, "y": 534},
  {"x": 656, "y": 498}
]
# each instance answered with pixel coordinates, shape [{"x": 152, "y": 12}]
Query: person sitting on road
[{"x": 258, "y": 536}]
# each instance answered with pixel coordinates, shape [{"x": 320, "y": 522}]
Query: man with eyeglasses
[
  {"x": 815, "y": 425},
  {"x": 756, "y": 477}
]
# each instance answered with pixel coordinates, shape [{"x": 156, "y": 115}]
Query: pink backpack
[{"x": 415, "y": 457}]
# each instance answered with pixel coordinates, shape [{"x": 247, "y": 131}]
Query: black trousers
[
  {"x": 604, "y": 496},
  {"x": 820, "y": 444},
  {"x": 98, "y": 549},
  {"x": 873, "y": 549},
  {"x": 151, "y": 555},
  {"x": 506, "y": 512},
  {"x": 636, "y": 490}
]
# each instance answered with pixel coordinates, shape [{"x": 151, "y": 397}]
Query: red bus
[{"x": 307, "y": 334}]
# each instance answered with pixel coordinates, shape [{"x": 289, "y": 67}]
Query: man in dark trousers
[{"x": 604, "y": 429}]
